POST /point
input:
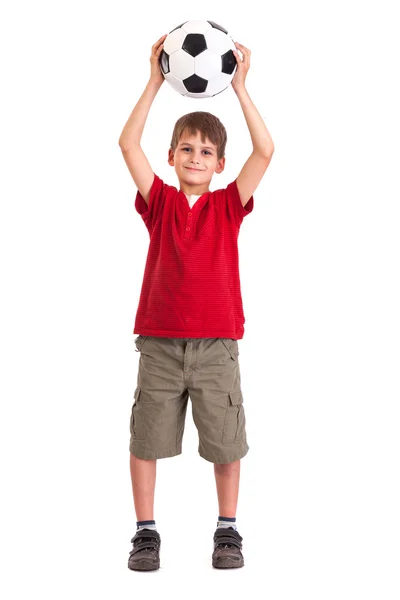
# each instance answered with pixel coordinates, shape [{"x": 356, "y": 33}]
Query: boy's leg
[
  {"x": 145, "y": 554},
  {"x": 143, "y": 476},
  {"x": 227, "y": 541},
  {"x": 227, "y": 481},
  {"x": 156, "y": 427}
]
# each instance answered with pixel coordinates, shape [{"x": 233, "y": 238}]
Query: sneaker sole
[
  {"x": 144, "y": 565},
  {"x": 228, "y": 564}
]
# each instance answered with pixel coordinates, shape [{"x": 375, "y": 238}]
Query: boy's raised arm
[
  {"x": 263, "y": 146},
  {"x": 129, "y": 141}
]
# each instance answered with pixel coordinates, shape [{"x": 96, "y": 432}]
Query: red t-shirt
[{"x": 191, "y": 285}]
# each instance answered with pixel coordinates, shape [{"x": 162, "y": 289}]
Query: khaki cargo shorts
[{"x": 170, "y": 371}]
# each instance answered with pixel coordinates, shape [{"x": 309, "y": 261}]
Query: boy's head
[{"x": 197, "y": 148}]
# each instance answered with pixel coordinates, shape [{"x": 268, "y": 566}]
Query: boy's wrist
[
  {"x": 156, "y": 81},
  {"x": 240, "y": 89}
]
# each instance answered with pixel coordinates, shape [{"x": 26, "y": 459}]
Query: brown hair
[{"x": 207, "y": 124}]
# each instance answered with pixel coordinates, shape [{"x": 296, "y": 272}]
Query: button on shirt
[{"x": 191, "y": 284}]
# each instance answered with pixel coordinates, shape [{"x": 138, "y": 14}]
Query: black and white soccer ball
[{"x": 197, "y": 59}]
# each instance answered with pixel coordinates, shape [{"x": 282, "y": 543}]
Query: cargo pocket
[
  {"x": 234, "y": 425},
  {"x": 137, "y": 424},
  {"x": 232, "y": 346},
  {"x": 139, "y": 341}
]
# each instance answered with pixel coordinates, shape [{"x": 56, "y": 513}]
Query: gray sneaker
[
  {"x": 227, "y": 549},
  {"x": 145, "y": 555}
]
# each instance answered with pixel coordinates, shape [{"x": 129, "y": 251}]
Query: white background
[{"x": 319, "y": 258}]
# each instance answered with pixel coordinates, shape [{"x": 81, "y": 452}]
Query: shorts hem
[
  {"x": 228, "y": 457},
  {"x": 154, "y": 454}
]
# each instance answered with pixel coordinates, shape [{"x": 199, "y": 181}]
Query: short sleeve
[
  {"x": 151, "y": 211},
  {"x": 235, "y": 208}
]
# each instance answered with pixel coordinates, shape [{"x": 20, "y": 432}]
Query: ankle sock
[
  {"x": 227, "y": 522},
  {"x": 145, "y": 525}
]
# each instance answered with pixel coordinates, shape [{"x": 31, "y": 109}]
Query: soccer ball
[{"x": 197, "y": 59}]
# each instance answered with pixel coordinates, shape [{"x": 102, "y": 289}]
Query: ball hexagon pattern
[{"x": 197, "y": 59}]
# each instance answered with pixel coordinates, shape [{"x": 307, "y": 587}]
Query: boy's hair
[{"x": 207, "y": 124}]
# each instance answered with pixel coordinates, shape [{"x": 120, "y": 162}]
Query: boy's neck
[{"x": 196, "y": 190}]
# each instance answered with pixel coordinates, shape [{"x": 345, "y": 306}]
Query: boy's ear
[
  {"x": 220, "y": 165},
  {"x": 171, "y": 157}
]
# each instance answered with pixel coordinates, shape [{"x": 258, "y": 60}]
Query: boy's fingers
[
  {"x": 246, "y": 55},
  {"x": 236, "y": 53},
  {"x": 157, "y": 51},
  {"x": 243, "y": 48},
  {"x": 162, "y": 38}
]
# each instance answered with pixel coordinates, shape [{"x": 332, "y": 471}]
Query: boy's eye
[{"x": 189, "y": 149}]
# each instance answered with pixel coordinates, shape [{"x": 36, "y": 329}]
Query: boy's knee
[{"x": 227, "y": 468}]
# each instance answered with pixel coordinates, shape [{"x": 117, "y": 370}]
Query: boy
[{"x": 190, "y": 313}]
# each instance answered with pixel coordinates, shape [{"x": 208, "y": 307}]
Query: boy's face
[{"x": 195, "y": 162}]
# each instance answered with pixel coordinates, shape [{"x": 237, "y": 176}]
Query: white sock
[
  {"x": 145, "y": 525},
  {"x": 227, "y": 522}
]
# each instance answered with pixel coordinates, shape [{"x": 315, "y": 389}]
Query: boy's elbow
[
  {"x": 269, "y": 151},
  {"x": 266, "y": 153},
  {"x": 122, "y": 145},
  {"x": 125, "y": 145}
]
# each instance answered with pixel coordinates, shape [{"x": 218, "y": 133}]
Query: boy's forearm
[
  {"x": 133, "y": 130},
  {"x": 260, "y": 136}
]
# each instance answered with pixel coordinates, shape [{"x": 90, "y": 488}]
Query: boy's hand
[
  {"x": 156, "y": 73},
  {"x": 242, "y": 66}
]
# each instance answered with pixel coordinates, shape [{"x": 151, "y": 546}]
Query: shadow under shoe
[
  {"x": 227, "y": 549},
  {"x": 145, "y": 554}
]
